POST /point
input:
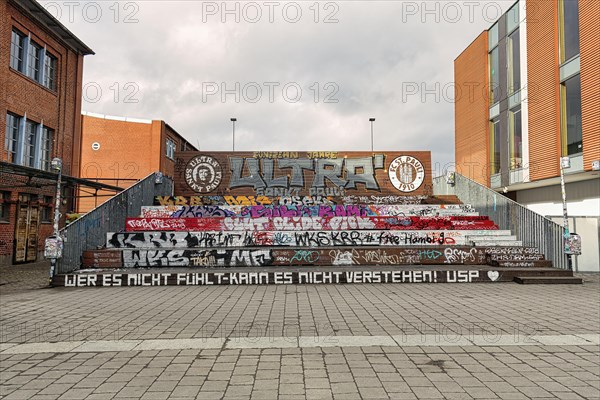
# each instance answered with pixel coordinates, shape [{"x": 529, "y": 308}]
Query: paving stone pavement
[{"x": 302, "y": 342}]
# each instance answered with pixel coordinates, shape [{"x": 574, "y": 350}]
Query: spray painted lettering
[{"x": 357, "y": 210}]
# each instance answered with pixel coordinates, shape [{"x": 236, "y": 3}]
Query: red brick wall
[
  {"x": 125, "y": 153},
  {"x": 7, "y": 228},
  {"x": 167, "y": 164},
  {"x": 58, "y": 110},
  {"x": 130, "y": 150}
]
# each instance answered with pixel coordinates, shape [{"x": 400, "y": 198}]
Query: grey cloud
[{"x": 369, "y": 54}]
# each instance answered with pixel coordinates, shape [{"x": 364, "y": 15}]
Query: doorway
[{"x": 26, "y": 229}]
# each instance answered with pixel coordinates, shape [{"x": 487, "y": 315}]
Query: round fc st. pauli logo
[
  {"x": 406, "y": 173},
  {"x": 203, "y": 174}
]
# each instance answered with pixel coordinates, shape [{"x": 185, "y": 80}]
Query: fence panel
[{"x": 89, "y": 231}]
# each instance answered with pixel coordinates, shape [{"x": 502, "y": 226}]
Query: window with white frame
[
  {"x": 17, "y": 50},
  {"x": 170, "y": 149},
  {"x": 33, "y": 60},
  {"x": 30, "y": 152},
  {"x": 28, "y": 143},
  {"x": 13, "y": 123},
  {"x": 50, "y": 71},
  {"x": 46, "y": 153}
]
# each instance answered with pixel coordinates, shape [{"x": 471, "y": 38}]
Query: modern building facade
[
  {"x": 41, "y": 65},
  {"x": 121, "y": 150},
  {"x": 527, "y": 94}
]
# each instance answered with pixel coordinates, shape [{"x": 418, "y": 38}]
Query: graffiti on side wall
[
  {"x": 150, "y": 240},
  {"x": 513, "y": 253},
  {"x": 242, "y": 200},
  {"x": 299, "y": 257},
  {"x": 285, "y": 200},
  {"x": 380, "y": 200},
  {"x": 357, "y": 210},
  {"x": 196, "y": 258},
  {"x": 308, "y": 223}
]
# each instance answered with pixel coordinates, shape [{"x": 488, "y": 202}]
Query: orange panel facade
[
  {"x": 471, "y": 111},
  {"x": 544, "y": 89},
  {"x": 589, "y": 31}
]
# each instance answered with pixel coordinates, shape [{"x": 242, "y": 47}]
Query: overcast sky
[{"x": 171, "y": 60}]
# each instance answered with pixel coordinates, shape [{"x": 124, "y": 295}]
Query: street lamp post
[
  {"x": 54, "y": 244},
  {"x": 565, "y": 162},
  {"x": 233, "y": 137},
  {"x": 371, "y": 120}
]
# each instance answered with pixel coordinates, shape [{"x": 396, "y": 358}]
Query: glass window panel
[
  {"x": 493, "y": 36},
  {"x": 16, "y": 50},
  {"x": 512, "y": 18},
  {"x": 50, "y": 71},
  {"x": 33, "y": 63},
  {"x": 30, "y": 137},
  {"x": 516, "y": 139},
  {"x": 494, "y": 76},
  {"x": 47, "y": 141},
  {"x": 12, "y": 136},
  {"x": 569, "y": 29},
  {"x": 514, "y": 62},
  {"x": 572, "y": 131},
  {"x": 170, "y": 149},
  {"x": 495, "y": 146}
]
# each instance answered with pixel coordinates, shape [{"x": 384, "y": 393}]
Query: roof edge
[{"x": 39, "y": 14}]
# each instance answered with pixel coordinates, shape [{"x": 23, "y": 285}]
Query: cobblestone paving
[
  {"x": 16, "y": 278},
  {"x": 267, "y": 369}
]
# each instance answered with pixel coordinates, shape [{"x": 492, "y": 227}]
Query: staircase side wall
[{"x": 89, "y": 231}]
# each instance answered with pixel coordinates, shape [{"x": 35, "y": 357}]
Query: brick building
[
  {"x": 41, "y": 65},
  {"x": 120, "y": 151},
  {"x": 528, "y": 94}
]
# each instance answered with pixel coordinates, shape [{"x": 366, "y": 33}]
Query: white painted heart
[{"x": 494, "y": 275}]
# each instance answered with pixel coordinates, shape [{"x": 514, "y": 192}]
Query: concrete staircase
[{"x": 324, "y": 243}]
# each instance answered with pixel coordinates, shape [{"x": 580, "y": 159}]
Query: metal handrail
[
  {"x": 531, "y": 228},
  {"x": 89, "y": 231}
]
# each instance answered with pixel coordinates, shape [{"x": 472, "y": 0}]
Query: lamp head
[{"x": 56, "y": 164}]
